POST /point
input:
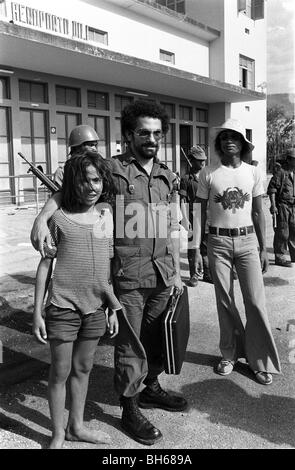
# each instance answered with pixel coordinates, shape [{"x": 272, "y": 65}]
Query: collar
[
  {"x": 129, "y": 158},
  {"x": 194, "y": 176}
]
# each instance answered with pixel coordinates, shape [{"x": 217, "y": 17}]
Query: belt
[{"x": 231, "y": 232}]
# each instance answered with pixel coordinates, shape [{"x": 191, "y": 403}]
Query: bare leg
[
  {"x": 61, "y": 355},
  {"x": 83, "y": 355}
]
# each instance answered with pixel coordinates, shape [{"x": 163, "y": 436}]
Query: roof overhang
[
  {"x": 35, "y": 50},
  {"x": 161, "y": 14}
]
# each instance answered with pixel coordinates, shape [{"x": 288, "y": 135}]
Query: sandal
[{"x": 264, "y": 378}]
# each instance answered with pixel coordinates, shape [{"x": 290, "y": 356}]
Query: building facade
[{"x": 81, "y": 61}]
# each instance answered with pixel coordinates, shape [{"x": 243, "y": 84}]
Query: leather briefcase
[{"x": 175, "y": 331}]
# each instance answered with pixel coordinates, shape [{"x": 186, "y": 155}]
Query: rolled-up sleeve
[{"x": 274, "y": 184}]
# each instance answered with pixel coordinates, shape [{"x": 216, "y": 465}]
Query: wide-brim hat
[
  {"x": 233, "y": 125},
  {"x": 290, "y": 153},
  {"x": 197, "y": 153}
]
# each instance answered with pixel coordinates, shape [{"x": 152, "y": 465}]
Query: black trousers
[{"x": 284, "y": 236}]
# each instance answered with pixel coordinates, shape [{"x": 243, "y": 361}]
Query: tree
[{"x": 280, "y": 134}]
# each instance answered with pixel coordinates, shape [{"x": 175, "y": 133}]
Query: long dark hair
[{"x": 75, "y": 177}]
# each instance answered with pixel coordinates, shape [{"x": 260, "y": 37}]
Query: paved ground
[{"x": 225, "y": 413}]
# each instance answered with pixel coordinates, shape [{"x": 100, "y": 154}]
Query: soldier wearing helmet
[
  {"x": 188, "y": 193},
  {"x": 81, "y": 138}
]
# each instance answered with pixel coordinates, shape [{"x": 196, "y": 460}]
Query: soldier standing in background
[
  {"x": 281, "y": 191},
  {"x": 188, "y": 191}
]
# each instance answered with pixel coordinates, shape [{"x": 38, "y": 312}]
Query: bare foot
[
  {"x": 57, "y": 441},
  {"x": 88, "y": 435}
]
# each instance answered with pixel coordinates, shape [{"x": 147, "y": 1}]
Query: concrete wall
[
  {"x": 254, "y": 119},
  {"x": 211, "y": 12},
  {"x": 132, "y": 34},
  {"x": 224, "y": 65}
]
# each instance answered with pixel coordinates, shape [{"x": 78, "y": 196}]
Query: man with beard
[{"x": 145, "y": 265}]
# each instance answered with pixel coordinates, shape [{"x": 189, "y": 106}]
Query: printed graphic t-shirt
[{"x": 230, "y": 192}]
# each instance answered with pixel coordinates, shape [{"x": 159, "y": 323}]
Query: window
[
  {"x": 249, "y": 134},
  {"x": 34, "y": 142},
  {"x": 100, "y": 124},
  {"x": 252, "y": 8},
  {"x": 95, "y": 35},
  {"x": 167, "y": 148},
  {"x": 167, "y": 56},
  {"x": 185, "y": 113},
  {"x": 4, "y": 88},
  {"x": 97, "y": 100},
  {"x": 202, "y": 138},
  {"x": 68, "y": 96},
  {"x": 3, "y": 8},
  {"x": 118, "y": 136},
  {"x": 170, "y": 109},
  {"x": 5, "y": 150},
  {"x": 121, "y": 101},
  {"x": 65, "y": 123},
  {"x": 176, "y": 5},
  {"x": 33, "y": 92},
  {"x": 201, "y": 115},
  {"x": 247, "y": 73}
]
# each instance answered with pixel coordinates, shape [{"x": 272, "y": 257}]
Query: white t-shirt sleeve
[
  {"x": 258, "y": 188},
  {"x": 203, "y": 186}
]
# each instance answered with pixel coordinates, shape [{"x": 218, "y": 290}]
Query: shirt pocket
[
  {"x": 126, "y": 263},
  {"x": 169, "y": 263}
]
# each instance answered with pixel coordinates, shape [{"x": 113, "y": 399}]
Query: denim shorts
[{"x": 67, "y": 325}]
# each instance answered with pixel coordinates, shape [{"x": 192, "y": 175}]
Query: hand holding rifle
[{"x": 53, "y": 187}]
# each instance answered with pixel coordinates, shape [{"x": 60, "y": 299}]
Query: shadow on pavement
[
  {"x": 24, "y": 278},
  {"x": 271, "y": 417},
  {"x": 275, "y": 281},
  {"x": 201, "y": 359},
  {"x": 16, "y": 427},
  {"x": 100, "y": 391}
]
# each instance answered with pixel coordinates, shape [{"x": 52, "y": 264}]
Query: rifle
[
  {"x": 38, "y": 172},
  {"x": 186, "y": 157}
]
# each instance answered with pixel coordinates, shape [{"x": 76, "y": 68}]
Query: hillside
[{"x": 282, "y": 100}]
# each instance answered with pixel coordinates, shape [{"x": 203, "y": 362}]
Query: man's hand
[
  {"x": 273, "y": 209},
  {"x": 39, "y": 330},
  {"x": 40, "y": 234},
  {"x": 113, "y": 324},
  {"x": 264, "y": 261},
  {"x": 199, "y": 261},
  {"x": 178, "y": 284},
  {"x": 186, "y": 224}
]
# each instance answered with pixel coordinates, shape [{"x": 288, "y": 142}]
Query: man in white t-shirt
[{"x": 232, "y": 192}]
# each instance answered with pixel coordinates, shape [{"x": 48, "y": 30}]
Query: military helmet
[
  {"x": 81, "y": 134},
  {"x": 196, "y": 152}
]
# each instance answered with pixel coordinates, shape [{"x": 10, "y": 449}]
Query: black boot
[
  {"x": 193, "y": 282},
  {"x": 137, "y": 425},
  {"x": 153, "y": 396},
  {"x": 281, "y": 261}
]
